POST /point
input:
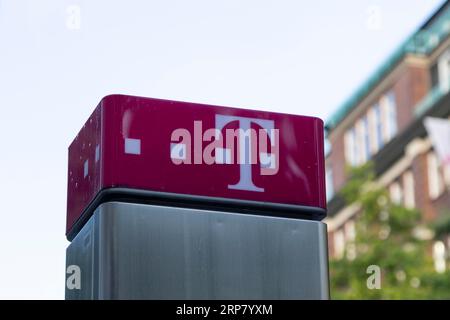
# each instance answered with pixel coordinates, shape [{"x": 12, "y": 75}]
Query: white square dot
[
  {"x": 86, "y": 168},
  {"x": 97, "y": 153},
  {"x": 132, "y": 146}
]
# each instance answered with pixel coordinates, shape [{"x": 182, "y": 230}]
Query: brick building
[{"x": 383, "y": 122}]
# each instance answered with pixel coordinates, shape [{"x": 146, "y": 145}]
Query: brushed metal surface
[{"x": 141, "y": 251}]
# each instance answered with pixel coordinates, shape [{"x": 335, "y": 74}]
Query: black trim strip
[{"x": 196, "y": 202}]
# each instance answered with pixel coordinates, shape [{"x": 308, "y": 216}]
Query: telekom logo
[{"x": 251, "y": 143}]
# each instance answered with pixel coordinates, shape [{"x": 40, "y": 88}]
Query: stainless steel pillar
[{"x": 142, "y": 251}]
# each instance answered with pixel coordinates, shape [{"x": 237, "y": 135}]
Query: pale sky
[{"x": 58, "y": 58}]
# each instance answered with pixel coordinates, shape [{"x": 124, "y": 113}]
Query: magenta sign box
[{"x": 144, "y": 149}]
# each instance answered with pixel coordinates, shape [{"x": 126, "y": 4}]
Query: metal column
[{"x": 143, "y": 251}]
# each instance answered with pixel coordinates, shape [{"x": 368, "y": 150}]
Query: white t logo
[{"x": 245, "y": 147}]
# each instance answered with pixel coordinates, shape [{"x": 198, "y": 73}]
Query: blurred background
[
  {"x": 388, "y": 173},
  {"x": 375, "y": 71}
]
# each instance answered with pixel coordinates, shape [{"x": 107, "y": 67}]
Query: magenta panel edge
[{"x": 127, "y": 142}]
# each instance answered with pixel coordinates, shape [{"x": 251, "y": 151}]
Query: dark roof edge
[
  {"x": 395, "y": 58},
  {"x": 435, "y": 14}
]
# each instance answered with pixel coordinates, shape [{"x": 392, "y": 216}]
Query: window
[
  {"x": 434, "y": 73},
  {"x": 360, "y": 139},
  {"x": 439, "y": 256},
  {"x": 350, "y": 231},
  {"x": 339, "y": 244},
  {"x": 435, "y": 181},
  {"x": 366, "y": 138},
  {"x": 357, "y": 143},
  {"x": 375, "y": 128},
  {"x": 408, "y": 190},
  {"x": 443, "y": 71},
  {"x": 371, "y": 131},
  {"x": 396, "y": 193},
  {"x": 390, "y": 116},
  {"x": 350, "y": 237},
  {"x": 378, "y": 126},
  {"x": 329, "y": 182},
  {"x": 351, "y": 147},
  {"x": 327, "y": 147}
]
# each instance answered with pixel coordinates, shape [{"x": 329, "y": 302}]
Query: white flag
[{"x": 439, "y": 132}]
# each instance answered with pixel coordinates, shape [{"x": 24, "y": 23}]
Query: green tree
[{"x": 387, "y": 237}]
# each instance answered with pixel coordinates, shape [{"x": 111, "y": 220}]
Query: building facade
[{"x": 383, "y": 123}]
